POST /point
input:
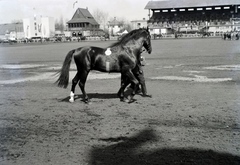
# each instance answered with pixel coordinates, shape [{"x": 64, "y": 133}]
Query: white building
[
  {"x": 114, "y": 27},
  {"x": 136, "y": 24},
  {"x": 38, "y": 27}
]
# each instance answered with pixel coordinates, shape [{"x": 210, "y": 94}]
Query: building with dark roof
[
  {"x": 83, "y": 23},
  {"x": 194, "y": 15},
  {"x": 11, "y": 30},
  {"x": 170, "y": 4}
]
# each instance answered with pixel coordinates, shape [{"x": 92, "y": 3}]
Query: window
[
  {"x": 165, "y": 11},
  {"x": 191, "y": 9},
  {"x": 208, "y": 8},
  {"x": 199, "y": 9},
  {"x": 227, "y": 7},
  {"x": 217, "y": 8},
  {"x": 182, "y": 10}
]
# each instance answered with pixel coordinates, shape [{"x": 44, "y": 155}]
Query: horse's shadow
[
  {"x": 92, "y": 95},
  {"x": 125, "y": 151},
  {"x": 127, "y": 93}
]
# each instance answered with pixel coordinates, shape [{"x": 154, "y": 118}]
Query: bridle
[{"x": 146, "y": 43}]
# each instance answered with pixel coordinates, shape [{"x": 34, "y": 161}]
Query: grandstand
[{"x": 194, "y": 16}]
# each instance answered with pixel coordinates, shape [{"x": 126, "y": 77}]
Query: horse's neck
[
  {"x": 134, "y": 48},
  {"x": 135, "y": 44}
]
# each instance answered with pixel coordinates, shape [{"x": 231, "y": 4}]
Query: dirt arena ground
[{"x": 193, "y": 116}]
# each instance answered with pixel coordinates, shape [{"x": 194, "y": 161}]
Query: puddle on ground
[
  {"x": 193, "y": 79},
  {"x": 51, "y": 76},
  {"x": 21, "y": 66},
  {"x": 223, "y": 67}
]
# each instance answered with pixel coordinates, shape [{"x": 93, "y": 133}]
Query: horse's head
[
  {"x": 141, "y": 37},
  {"x": 147, "y": 40}
]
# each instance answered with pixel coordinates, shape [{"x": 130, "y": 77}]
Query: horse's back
[{"x": 88, "y": 50}]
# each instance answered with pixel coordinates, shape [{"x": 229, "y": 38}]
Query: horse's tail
[{"x": 64, "y": 72}]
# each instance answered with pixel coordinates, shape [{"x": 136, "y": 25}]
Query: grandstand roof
[{"x": 168, "y": 4}]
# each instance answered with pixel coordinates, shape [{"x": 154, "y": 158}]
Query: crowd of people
[
  {"x": 232, "y": 35},
  {"x": 196, "y": 18}
]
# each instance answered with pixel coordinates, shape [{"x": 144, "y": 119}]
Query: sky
[{"x": 11, "y": 10}]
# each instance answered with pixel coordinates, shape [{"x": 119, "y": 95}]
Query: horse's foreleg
[
  {"x": 133, "y": 79},
  {"x": 74, "y": 83},
  {"x": 124, "y": 84}
]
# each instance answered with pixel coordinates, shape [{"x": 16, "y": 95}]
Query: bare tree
[
  {"x": 123, "y": 22},
  {"x": 59, "y": 24},
  {"x": 101, "y": 17}
]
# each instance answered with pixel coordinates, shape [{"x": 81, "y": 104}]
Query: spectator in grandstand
[
  {"x": 237, "y": 36},
  {"x": 224, "y": 35},
  {"x": 176, "y": 35}
]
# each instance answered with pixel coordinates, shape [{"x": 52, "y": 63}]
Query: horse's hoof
[
  {"x": 124, "y": 100},
  {"x": 71, "y": 100},
  {"x": 89, "y": 103},
  {"x": 131, "y": 101}
]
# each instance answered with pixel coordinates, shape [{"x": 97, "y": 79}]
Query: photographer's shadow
[{"x": 124, "y": 153}]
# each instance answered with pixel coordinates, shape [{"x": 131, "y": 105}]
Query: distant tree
[
  {"x": 101, "y": 17},
  {"x": 59, "y": 24},
  {"x": 126, "y": 25}
]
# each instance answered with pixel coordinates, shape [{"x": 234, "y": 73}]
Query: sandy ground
[{"x": 192, "y": 118}]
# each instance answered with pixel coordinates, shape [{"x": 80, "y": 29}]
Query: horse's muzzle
[{"x": 149, "y": 50}]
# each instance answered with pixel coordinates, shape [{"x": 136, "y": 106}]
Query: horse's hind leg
[
  {"x": 83, "y": 77},
  {"x": 74, "y": 83}
]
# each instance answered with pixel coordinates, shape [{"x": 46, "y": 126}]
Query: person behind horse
[{"x": 139, "y": 74}]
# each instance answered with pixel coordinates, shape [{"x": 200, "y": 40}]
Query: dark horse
[{"x": 121, "y": 56}]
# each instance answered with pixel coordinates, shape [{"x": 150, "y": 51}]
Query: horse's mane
[{"x": 131, "y": 35}]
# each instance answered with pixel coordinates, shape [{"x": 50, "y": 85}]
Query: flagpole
[{"x": 74, "y": 4}]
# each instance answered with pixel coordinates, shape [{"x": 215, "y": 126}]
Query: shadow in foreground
[{"x": 124, "y": 153}]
